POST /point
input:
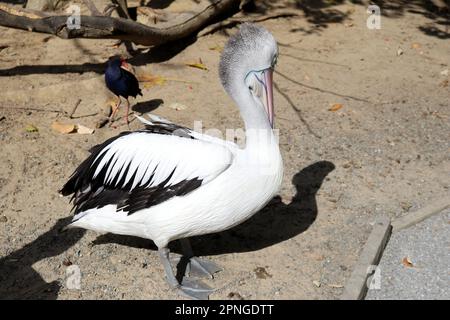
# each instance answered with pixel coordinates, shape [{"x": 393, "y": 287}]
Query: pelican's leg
[
  {"x": 196, "y": 266},
  {"x": 188, "y": 288},
  {"x": 114, "y": 111}
]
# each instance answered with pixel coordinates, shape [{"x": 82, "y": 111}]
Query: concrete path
[{"x": 416, "y": 262}]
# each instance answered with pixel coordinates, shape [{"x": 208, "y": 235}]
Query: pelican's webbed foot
[
  {"x": 189, "y": 288},
  {"x": 194, "y": 289},
  {"x": 201, "y": 268}
]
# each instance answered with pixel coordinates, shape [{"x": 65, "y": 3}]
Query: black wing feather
[{"x": 89, "y": 192}]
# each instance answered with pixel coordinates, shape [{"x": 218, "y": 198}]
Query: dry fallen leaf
[
  {"x": 444, "y": 83},
  {"x": 31, "y": 128},
  {"x": 63, "y": 127},
  {"x": 198, "y": 65},
  {"x": 317, "y": 283},
  {"x": 416, "y": 45},
  {"x": 114, "y": 45},
  {"x": 335, "y": 107},
  {"x": 84, "y": 130},
  {"x": 407, "y": 263},
  {"x": 151, "y": 80}
]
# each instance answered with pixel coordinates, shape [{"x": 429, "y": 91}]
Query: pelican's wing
[
  {"x": 168, "y": 127},
  {"x": 137, "y": 170}
]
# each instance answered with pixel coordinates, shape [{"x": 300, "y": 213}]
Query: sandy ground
[{"x": 386, "y": 151}]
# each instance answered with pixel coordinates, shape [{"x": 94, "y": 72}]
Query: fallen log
[{"x": 105, "y": 27}]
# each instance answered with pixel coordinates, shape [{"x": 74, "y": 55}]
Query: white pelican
[{"x": 167, "y": 182}]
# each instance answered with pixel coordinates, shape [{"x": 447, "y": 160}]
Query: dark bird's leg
[
  {"x": 114, "y": 111},
  {"x": 126, "y": 114},
  {"x": 189, "y": 288},
  {"x": 196, "y": 266}
]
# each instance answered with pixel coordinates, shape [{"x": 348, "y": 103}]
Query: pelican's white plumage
[{"x": 167, "y": 182}]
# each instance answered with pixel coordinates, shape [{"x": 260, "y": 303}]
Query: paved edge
[
  {"x": 356, "y": 287},
  {"x": 420, "y": 215}
]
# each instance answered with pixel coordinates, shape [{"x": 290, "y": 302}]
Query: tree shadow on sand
[
  {"x": 275, "y": 223},
  {"x": 320, "y": 14},
  {"x": 155, "y": 54},
  {"x": 18, "y": 279}
]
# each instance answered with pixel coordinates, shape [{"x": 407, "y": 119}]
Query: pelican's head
[{"x": 247, "y": 65}]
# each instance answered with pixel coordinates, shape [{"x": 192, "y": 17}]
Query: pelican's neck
[{"x": 258, "y": 132}]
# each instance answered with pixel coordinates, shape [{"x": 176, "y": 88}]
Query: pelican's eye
[
  {"x": 255, "y": 83},
  {"x": 274, "y": 61}
]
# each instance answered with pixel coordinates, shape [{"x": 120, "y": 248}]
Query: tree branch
[{"x": 101, "y": 27}]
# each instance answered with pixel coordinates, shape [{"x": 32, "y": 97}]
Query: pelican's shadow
[
  {"x": 275, "y": 223},
  {"x": 18, "y": 279}
]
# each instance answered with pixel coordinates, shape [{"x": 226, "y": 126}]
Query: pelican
[{"x": 167, "y": 182}]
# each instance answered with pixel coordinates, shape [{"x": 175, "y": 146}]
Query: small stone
[
  {"x": 317, "y": 283},
  {"x": 3, "y": 219},
  {"x": 261, "y": 273},
  {"x": 235, "y": 296},
  {"x": 177, "y": 106},
  {"x": 347, "y": 165},
  {"x": 67, "y": 262},
  {"x": 406, "y": 206}
]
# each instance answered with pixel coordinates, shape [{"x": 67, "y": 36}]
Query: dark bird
[{"x": 121, "y": 82}]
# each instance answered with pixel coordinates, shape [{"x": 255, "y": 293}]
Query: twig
[
  {"x": 74, "y": 109},
  {"x": 321, "y": 90},
  {"x": 32, "y": 109},
  {"x": 315, "y": 61},
  {"x": 92, "y": 8},
  {"x": 86, "y": 115},
  {"x": 297, "y": 111}
]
